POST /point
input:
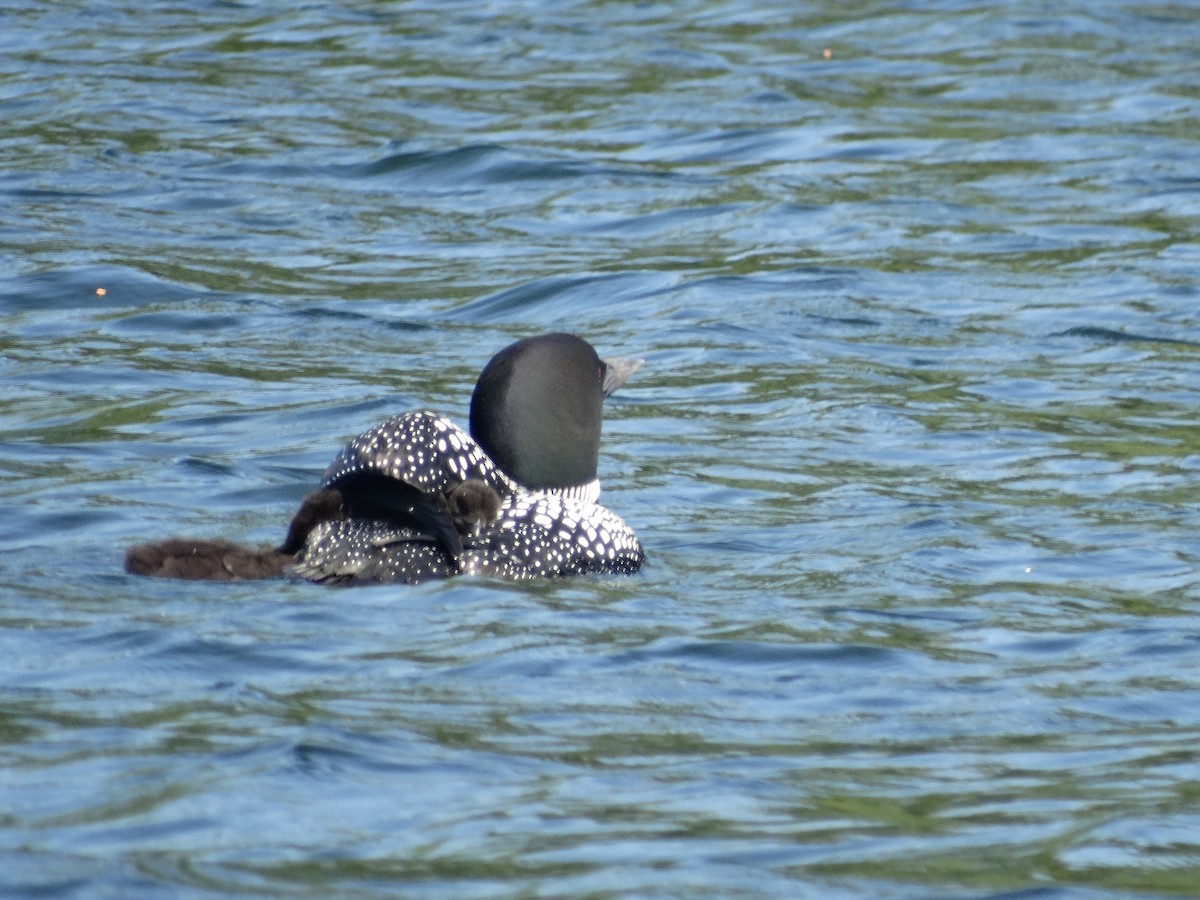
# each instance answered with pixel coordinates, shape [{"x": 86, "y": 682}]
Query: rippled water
[{"x": 914, "y": 452}]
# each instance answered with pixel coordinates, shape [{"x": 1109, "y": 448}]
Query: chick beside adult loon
[{"x": 417, "y": 498}]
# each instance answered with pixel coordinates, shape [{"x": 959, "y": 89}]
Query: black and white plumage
[
  {"x": 422, "y": 499},
  {"x": 535, "y": 534},
  {"x": 421, "y": 449},
  {"x": 417, "y": 498}
]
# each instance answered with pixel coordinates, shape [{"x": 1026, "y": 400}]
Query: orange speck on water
[
  {"x": 100, "y": 292},
  {"x": 827, "y": 53}
]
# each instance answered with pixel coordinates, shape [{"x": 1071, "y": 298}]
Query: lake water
[{"x": 914, "y": 452}]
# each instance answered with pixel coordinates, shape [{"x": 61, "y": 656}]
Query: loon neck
[{"x": 588, "y": 492}]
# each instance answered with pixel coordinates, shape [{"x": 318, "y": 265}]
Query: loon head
[{"x": 536, "y": 409}]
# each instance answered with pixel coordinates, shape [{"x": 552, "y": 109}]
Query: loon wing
[
  {"x": 370, "y": 495},
  {"x": 422, "y": 449}
]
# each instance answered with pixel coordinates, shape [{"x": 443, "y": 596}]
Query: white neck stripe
[{"x": 589, "y": 492}]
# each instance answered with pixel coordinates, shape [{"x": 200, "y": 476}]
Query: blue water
[{"x": 913, "y": 453}]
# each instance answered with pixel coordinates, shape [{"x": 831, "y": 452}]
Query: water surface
[{"x": 913, "y": 453}]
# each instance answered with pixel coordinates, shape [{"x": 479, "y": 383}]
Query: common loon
[{"x": 417, "y": 498}]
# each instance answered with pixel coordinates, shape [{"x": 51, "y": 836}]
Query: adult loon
[{"x": 417, "y": 498}]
